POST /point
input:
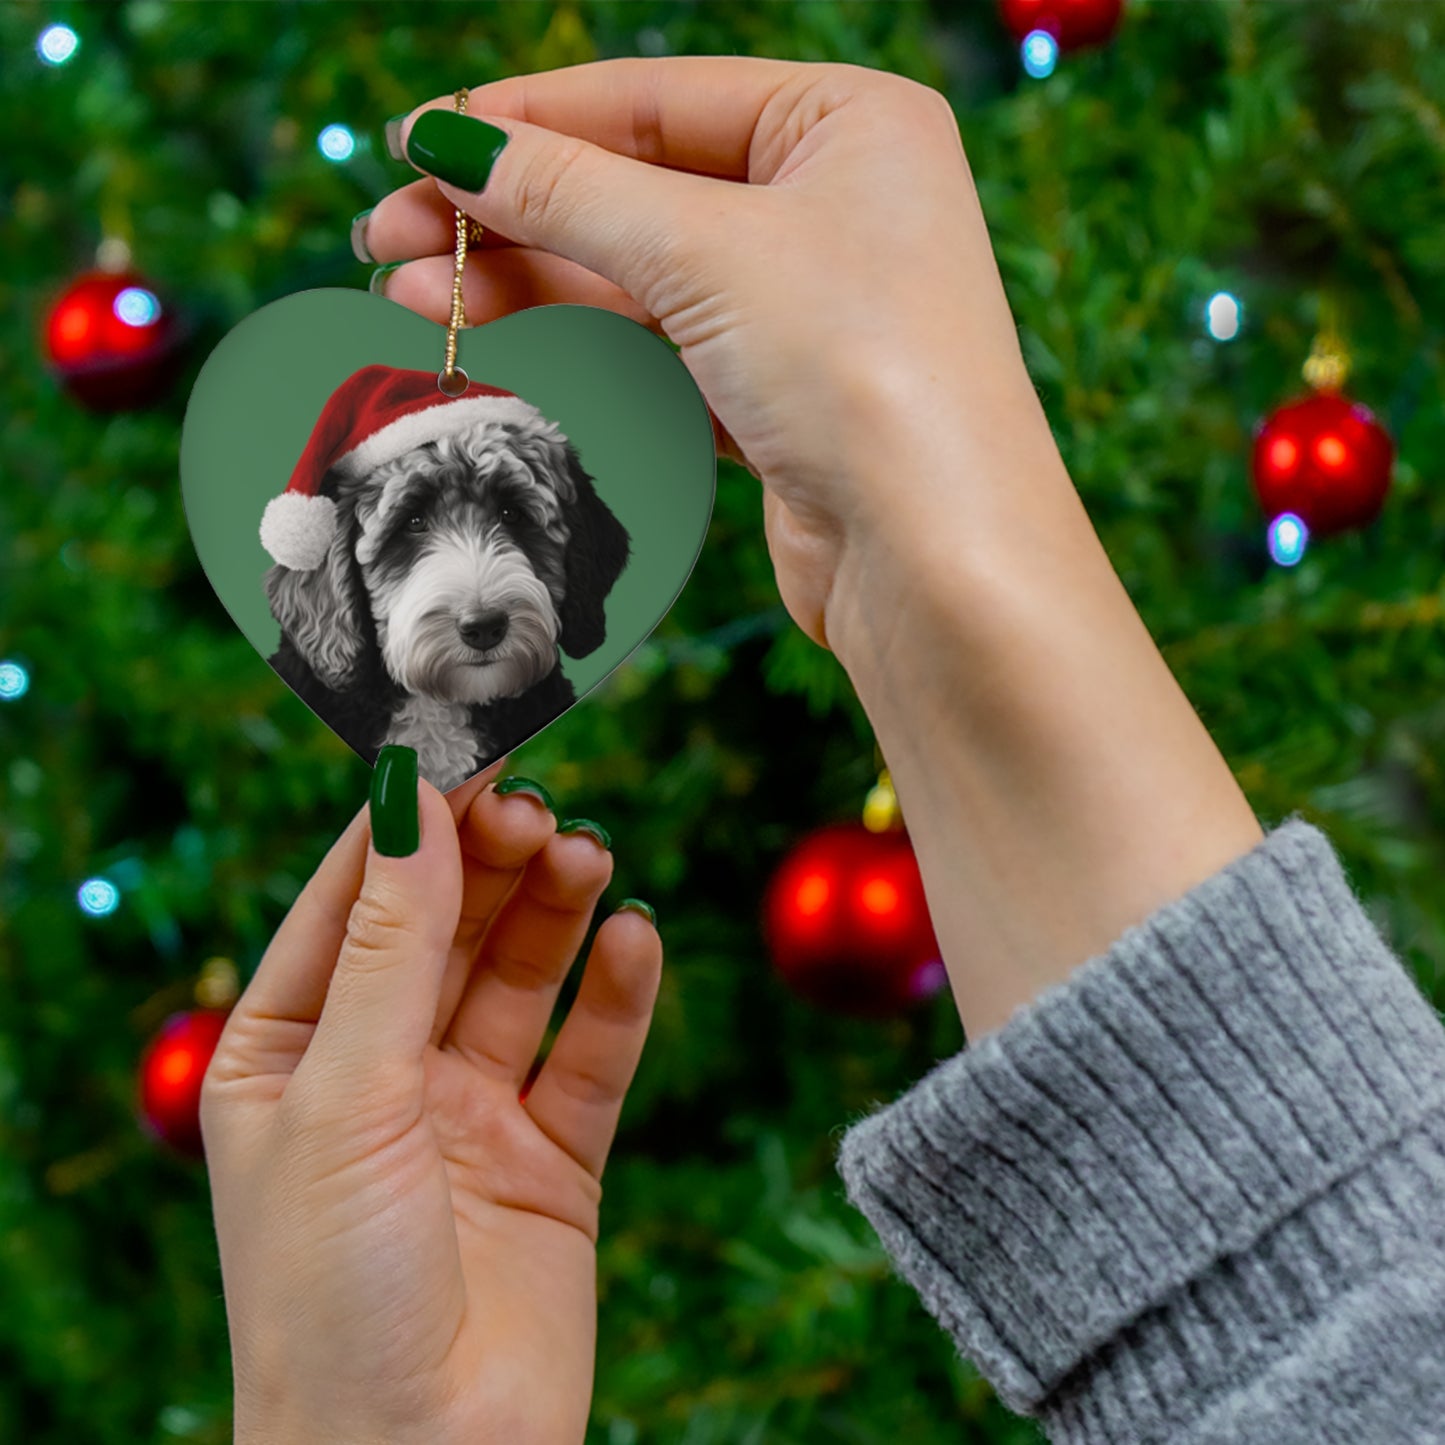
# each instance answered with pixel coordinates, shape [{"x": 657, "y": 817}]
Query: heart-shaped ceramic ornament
[{"x": 447, "y": 572}]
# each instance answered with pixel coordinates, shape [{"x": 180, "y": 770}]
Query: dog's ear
[
  {"x": 597, "y": 551},
  {"x": 321, "y": 609}
]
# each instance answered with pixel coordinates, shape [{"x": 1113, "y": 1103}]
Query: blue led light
[
  {"x": 1288, "y": 538},
  {"x": 336, "y": 143},
  {"x": 98, "y": 897},
  {"x": 137, "y": 307},
  {"x": 14, "y": 681},
  {"x": 1223, "y": 316},
  {"x": 57, "y": 44},
  {"x": 1040, "y": 52}
]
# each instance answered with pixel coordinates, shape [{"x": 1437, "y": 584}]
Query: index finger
[{"x": 695, "y": 113}]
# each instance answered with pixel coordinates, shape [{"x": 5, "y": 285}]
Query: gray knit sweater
[{"x": 1197, "y": 1191}]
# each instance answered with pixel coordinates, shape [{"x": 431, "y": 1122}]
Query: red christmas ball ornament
[
  {"x": 112, "y": 341},
  {"x": 171, "y": 1071},
  {"x": 847, "y": 923},
  {"x": 1326, "y": 459},
  {"x": 1072, "y": 23}
]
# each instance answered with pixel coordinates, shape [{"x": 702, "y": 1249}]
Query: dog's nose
[{"x": 485, "y": 630}]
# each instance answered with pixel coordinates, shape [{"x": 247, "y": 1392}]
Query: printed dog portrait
[{"x": 435, "y": 559}]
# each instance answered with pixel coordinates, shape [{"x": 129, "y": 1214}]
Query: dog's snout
[{"x": 485, "y": 630}]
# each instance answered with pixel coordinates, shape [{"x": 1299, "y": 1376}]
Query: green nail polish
[
  {"x": 377, "y": 284},
  {"x": 395, "y": 821},
  {"x": 359, "y": 248},
  {"x": 455, "y": 148},
  {"x": 392, "y": 133},
  {"x": 586, "y": 825},
  {"x": 526, "y": 785},
  {"x": 636, "y": 905}
]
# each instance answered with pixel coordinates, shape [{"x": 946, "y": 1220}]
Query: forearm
[{"x": 1056, "y": 782}]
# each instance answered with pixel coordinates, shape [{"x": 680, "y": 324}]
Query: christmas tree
[{"x": 1179, "y": 214}]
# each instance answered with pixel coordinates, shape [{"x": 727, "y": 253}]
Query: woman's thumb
[
  {"x": 382, "y": 999},
  {"x": 616, "y": 216}
]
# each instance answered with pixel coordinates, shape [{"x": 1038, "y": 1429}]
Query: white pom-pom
[{"x": 297, "y": 530}]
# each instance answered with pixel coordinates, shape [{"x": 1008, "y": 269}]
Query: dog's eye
[
  {"x": 509, "y": 514},
  {"x": 416, "y": 523}
]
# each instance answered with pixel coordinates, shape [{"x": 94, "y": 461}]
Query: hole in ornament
[{"x": 452, "y": 383}]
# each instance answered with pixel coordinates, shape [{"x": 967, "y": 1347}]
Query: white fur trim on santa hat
[
  {"x": 296, "y": 530},
  {"x": 446, "y": 418}
]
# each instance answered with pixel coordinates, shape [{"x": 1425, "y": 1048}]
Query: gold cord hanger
[{"x": 452, "y": 380}]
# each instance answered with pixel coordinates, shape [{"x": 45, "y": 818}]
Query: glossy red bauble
[
  {"x": 1073, "y": 23},
  {"x": 847, "y": 924},
  {"x": 1324, "y": 458},
  {"x": 112, "y": 341},
  {"x": 171, "y": 1071}
]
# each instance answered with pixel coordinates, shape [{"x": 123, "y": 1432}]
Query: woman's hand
[
  {"x": 810, "y": 237},
  {"x": 839, "y": 304},
  {"x": 408, "y": 1248}
]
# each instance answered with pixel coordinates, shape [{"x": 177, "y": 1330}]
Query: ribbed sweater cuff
[{"x": 1142, "y": 1166}]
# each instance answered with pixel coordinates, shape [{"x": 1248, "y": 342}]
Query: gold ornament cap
[
  {"x": 1328, "y": 365},
  {"x": 881, "y": 812},
  {"x": 219, "y": 985}
]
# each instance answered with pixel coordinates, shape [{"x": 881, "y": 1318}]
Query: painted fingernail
[
  {"x": 586, "y": 825},
  {"x": 527, "y": 786},
  {"x": 455, "y": 148},
  {"x": 636, "y": 905},
  {"x": 379, "y": 278},
  {"x": 393, "y": 137},
  {"x": 359, "y": 248},
  {"x": 395, "y": 822}
]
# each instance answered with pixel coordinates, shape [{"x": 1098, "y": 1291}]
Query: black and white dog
[{"x": 456, "y": 572}]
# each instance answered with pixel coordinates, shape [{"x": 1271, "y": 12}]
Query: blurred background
[{"x": 1188, "y": 205}]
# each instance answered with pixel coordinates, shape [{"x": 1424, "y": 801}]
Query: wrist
[
  {"x": 956, "y": 501},
  {"x": 1057, "y": 784}
]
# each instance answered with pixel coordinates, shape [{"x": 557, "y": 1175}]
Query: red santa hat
[{"x": 373, "y": 417}]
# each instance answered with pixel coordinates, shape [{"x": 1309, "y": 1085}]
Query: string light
[
  {"x": 136, "y": 306},
  {"x": 1288, "y": 538},
  {"x": 14, "y": 681},
  {"x": 57, "y": 44},
  {"x": 1223, "y": 316},
  {"x": 1040, "y": 52},
  {"x": 336, "y": 143},
  {"x": 98, "y": 897}
]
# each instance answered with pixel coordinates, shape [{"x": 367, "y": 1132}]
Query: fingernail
[
  {"x": 526, "y": 785},
  {"x": 455, "y": 148},
  {"x": 586, "y": 825},
  {"x": 395, "y": 821},
  {"x": 359, "y": 248},
  {"x": 636, "y": 905},
  {"x": 393, "y": 137},
  {"x": 379, "y": 277}
]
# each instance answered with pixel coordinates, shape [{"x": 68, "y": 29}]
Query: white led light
[
  {"x": 1223, "y": 316},
  {"x": 1040, "y": 52},
  {"x": 1288, "y": 538},
  {"x": 336, "y": 143},
  {"x": 14, "y": 681},
  {"x": 57, "y": 44},
  {"x": 137, "y": 307},
  {"x": 98, "y": 897}
]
